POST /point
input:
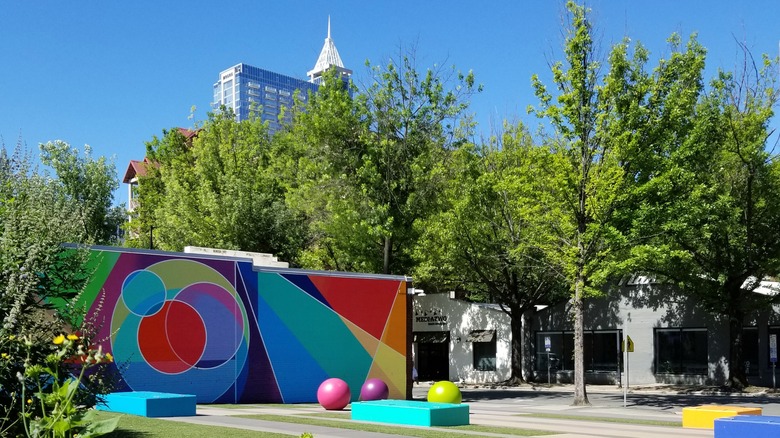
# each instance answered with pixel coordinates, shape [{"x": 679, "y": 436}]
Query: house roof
[
  {"x": 138, "y": 168},
  {"x": 135, "y": 169}
]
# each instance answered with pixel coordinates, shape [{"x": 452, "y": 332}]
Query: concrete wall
[{"x": 460, "y": 318}]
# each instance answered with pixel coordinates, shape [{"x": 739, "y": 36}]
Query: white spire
[{"x": 329, "y": 57}]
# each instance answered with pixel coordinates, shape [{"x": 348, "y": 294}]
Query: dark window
[
  {"x": 485, "y": 354},
  {"x": 681, "y": 351},
  {"x": 750, "y": 350},
  {"x": 601, "y": 350}
]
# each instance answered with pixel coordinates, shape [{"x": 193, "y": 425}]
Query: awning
[
  {"x": 431, "y": 337},
  {"x": 481, "y": 336}
]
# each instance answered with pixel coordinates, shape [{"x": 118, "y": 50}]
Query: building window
[
  {"x": 681, "y": 351},
  {"x": 601, "y": 351},
  {"x": 483, "y": 344}
]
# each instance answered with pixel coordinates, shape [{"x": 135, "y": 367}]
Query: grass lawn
[
  {"x": 607, "y": 419},
  {"x": 133, "y": 426},
  {"x": 440, "y": 432}
]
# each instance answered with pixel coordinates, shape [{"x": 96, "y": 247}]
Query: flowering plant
[{"x": 49, "y": 405}]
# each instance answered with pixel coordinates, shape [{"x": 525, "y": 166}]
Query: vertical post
[{"x": 625, "y": 385}]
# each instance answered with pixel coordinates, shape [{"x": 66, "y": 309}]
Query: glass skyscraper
[{"x": 247, "y": 89}]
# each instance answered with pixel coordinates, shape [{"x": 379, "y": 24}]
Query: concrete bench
[
  {"x": 411, "y": 412},
  {"x": 753, "y": 426},
  {"x": 150, "y": 404},
  {"x": 704, "y": 416}
]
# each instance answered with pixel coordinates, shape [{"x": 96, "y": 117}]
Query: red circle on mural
[{"x": 173, "y": 339}]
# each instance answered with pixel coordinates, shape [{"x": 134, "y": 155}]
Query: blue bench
[
  {"x": 753, "y": 426},
  {"x": 411, "y": 412},
  {"x": 150, "y": 404}
]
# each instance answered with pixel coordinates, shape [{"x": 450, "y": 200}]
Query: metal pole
[
  {"x": 773, "y": 375},
  {"x": 549, "y": 380},
  {"x": 625, "y": 385}
]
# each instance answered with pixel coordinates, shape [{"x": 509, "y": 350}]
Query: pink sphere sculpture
[
  {"x": 374, "y": 389},
  {"x": 333, "y": 394},
  {"x": 445, "y": 392}
]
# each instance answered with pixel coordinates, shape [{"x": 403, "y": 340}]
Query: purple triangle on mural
[
  {"x": 304, "y": 283},
  {"x": 260, "y": 385}
]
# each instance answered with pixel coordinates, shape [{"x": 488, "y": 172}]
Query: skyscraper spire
[{"x": 329, "y": 58}]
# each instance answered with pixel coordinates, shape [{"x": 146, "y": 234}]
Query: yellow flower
[
  {"x": 11, "y": 337},
  {"x": 4, "y": 355},
  {"x": 29, "y": 401},
  {"x": 59, "y": 339},
  {"x": 72, "y": 337},
  {"x": 109, "y": 357}
]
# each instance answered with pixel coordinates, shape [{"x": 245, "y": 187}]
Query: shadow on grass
[{"x": 124, "y": 433}]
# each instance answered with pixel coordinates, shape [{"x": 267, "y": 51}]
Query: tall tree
[
  {"x": 488, "y": 240},
  {"x": 370, "y": 158},
  {"x": 89, "y": 181},
  {"x": 712, "y": 202},
  {"x": 589, "y": 181}
]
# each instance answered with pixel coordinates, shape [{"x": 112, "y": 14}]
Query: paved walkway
[{"x": 493, "y": 407}]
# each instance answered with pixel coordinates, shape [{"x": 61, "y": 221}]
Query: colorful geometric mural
[{"x": 229, "y": 332}]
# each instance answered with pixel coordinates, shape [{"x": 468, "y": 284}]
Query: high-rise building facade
[{"x": 246, "y": 89}]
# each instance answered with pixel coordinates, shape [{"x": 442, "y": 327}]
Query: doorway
[{"x": 433, "y": 355}]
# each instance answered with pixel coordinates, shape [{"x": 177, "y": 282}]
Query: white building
[{"x": 460, "y": 341}]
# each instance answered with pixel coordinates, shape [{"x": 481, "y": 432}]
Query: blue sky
[{"x": 113, "y": 74}]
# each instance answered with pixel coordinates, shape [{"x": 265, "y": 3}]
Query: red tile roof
[
  {"x": 135, "y": 168},
  {"x": 138, "y": 168}
]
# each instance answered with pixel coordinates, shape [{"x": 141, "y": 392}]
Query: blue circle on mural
[{"x": 143, "y": 292}]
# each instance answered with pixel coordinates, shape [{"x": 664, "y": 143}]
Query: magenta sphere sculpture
[
  {"x": 333, "y": 394},
  {"x": 444, "y": 392},
  {"x": 374, "y": 389}
]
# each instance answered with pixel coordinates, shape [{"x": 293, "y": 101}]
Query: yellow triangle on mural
[
  {"x": 369, "y": 343},
  {"x": 390, "y": 366}
]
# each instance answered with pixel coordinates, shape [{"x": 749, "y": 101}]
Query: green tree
[
  {"x": 36, "y": 216},
  {"x": 218, "y": 190},
  {"x": 489, "y": 239},
  {"x": 588, "y": 176},
  {"x": 712, "y": 202},
  {"x": 89, "y": 181},
  {"x": 370, "y": 158}
]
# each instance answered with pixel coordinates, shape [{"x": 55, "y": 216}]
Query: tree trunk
[
  {"x": 580, "y": 395},
  {"x": 516, "y": 324},
  {"x": 386, "y": 257},
  {"x": 737, "y": 376}
]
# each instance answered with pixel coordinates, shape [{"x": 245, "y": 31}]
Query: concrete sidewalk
[
  {"x": 481, "y": 413},
  {"x": 493, "y": 405}
]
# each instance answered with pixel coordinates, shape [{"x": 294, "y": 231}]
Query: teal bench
[
  {"x": 411, "y": 412},
  {"x": 149, "y": 404}
]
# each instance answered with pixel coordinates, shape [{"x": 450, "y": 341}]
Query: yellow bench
[{"x": 704, "y": 416}]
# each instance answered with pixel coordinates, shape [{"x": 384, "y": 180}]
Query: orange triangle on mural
[{"x": 395, "y": 330}]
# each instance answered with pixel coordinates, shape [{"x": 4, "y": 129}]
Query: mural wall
[{"x": 228, "y": 332}]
